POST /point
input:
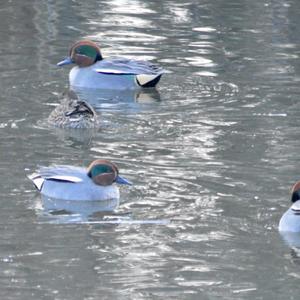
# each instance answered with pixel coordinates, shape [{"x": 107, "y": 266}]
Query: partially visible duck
[
  {"x": 92, "y": 71},
  {"x": 73, "y": 113},
  {"x": 95, "y": 183},
  {"x": 290, "y": 221}
]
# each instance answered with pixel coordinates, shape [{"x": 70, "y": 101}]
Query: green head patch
[
  {"x": 88, "y": 51},
  {"x": 100, "y": 169}
]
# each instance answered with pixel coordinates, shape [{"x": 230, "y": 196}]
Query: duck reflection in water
[
  {"x": 82, "y": 208},
  {"x": 130, "y": 100}
]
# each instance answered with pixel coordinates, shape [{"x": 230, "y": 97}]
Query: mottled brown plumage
[{"x": 73, "y": 113}]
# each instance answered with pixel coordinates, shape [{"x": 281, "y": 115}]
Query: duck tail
[
  {"x": 37, "y": 180},
  {"x": 147, "y": 80}
]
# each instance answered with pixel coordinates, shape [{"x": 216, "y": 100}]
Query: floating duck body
[
  {"x": 96, "y": 183},
  {"x": 290, "y": 221},
  {"x": 73, "y": 113},
  {"x": 92, "y": 71}
]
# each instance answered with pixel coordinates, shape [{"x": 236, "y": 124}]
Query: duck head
[
  {"x": 70, "y": 94},
  {"x": 83, "y": 54},
  {"x": 104, "y": 173}
]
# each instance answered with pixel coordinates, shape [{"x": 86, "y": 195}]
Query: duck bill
[
  {"x": 121, "y": 180},
  {"x": 66, "y": 61}
]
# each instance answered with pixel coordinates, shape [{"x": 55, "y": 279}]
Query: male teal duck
[
  {"x": 96, "y": 183},
  {"x": 290, "y": 221},
  {"x": 73, "y": 113},
  {"x": 92, "y": 71}
]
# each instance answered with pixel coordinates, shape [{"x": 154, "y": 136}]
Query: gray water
[{"x": 212, "y": 153}]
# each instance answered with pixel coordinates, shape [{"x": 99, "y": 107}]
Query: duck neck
[
  {"x": 99, "y": 57},
  {"x": 295, "y": 196}
]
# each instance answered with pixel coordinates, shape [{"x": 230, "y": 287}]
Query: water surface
[{"x": 212, "y": 153}]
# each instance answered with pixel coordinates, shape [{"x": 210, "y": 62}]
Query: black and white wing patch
[
  {"x": 37, "y": 180},
  {"x": 56, "y": 174}
]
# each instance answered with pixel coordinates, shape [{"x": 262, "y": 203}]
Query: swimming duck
[
  {"x": 92, "y": 71},
  {"x": 290, "y": 221},
  {"x": 73, "y": 113},
  {"x": 95, "y": 183}
]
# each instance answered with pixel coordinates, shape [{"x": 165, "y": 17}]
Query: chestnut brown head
[
  {"x": 105, "y": 173},
  {"x": 83, "y": 53}
]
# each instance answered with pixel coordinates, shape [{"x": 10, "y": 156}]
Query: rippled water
[{"x": 212, "y": 153}]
